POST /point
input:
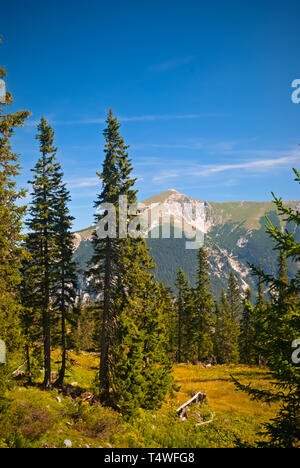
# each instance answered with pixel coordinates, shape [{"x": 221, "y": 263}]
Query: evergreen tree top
[
  {"x": 181, "y": 280},
  {"x": 203, "y": 280},
  {"x": 116, "y": 171},
  {"x": 46, "y": 137}
]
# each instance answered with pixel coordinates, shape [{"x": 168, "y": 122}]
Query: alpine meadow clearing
[{"x": 54, "y": 419}]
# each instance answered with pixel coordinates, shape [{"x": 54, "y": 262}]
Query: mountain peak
[{"x": 170, "y": 195}]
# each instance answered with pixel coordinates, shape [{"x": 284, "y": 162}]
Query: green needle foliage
[
  {"x": 11, "y": 251},
  {"x": 281, "y": 326},
  {"x": 227, "y": 333},
  {"x": 134, "y": 368},
  {"x": 40, "y": 241},
  {"x": 107, "y": 262},
  {"x": 234, "y": 297},
  {"x": 171, "y": 321},
  {"x": 139, "y": 360},
  {"x": 182, "y": 308},
  {"x": 247, "y": 331},
  {"x": 203, "y": 315},
  {"x": 49, "y": 287},
  {"x": 30, "y": 322},
  {"x": 65, "y": 279}
]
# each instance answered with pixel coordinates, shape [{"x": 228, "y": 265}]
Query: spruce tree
[
  {"x": 227, "y": 333},
  {"x": 203, "y": 319},
  {"x": 260, "y": 288},
  {"x": 41, "y": 239},
  {"x": 140, "y": 364},
  {"x": 247, "y": 331},
  {"x": 218, "y": 335},
  {"x": 105, "y": 264},
  {"x": 29, "y": 321},
  {"x": 85, "y": 332},
  {"x": 259, "y": 318},
  {"x": 65, "y": 278},
  {"x": 133, "y": 356},
  {"x": 234, "y": 297},
  {"x": 170, "y": 312},
  {"x": 11, "y": 251},
  {"x": 281, "y": 319},
  {"x": 181, "y": 306},
  {"x": 282, "y": 273}
]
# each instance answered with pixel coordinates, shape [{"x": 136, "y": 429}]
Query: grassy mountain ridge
[{"x": 235, "y": 236}]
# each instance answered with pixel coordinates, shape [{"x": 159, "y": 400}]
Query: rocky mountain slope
[{"x": 233, "y": 234}]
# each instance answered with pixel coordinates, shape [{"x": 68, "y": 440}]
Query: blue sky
[{"x": 203, "y": 90}]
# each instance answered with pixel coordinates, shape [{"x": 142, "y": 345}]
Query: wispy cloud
[
  {"x": 135, "y": 118},
  {"x": 253, "y": 166},
  {"x": 82, "y": 182},
  {"x": 146, "y": 118},
  {"x": 211, "y": 147},
  {"x": 257, "y": 165},
  {"x": 171, "y": 64}
]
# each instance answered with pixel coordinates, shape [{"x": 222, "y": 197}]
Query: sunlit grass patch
[{"x": 40, "y": 418}]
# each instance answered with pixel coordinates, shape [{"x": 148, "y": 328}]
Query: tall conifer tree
[
  {"x": 259, "y": 320},
  {"x": 234, "y": 297},
  {"x": 281, "y": 325},
  {"x": 181, "y": 305},
  {"x": 227, "y": 333},
  {"x": 203, "y": 314},
  {"x": 133, "y": 340},
  {"x": 11, "y": 250},
  {"x": 106, "y": 261},
  {"x": 41, "y": 240},
  {"x": 30, "y": 320},
  {"x": 247, "y": 328},
  {"x": 260, "y": 288},
  {"x": 140, "y": 371},
  {"x": 170, "y": 313},
  {"x": 65, "y": 279}
]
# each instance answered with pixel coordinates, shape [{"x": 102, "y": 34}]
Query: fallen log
[
  {"x": 199, "y": 398},
  {"x": 17, "y": 371}
]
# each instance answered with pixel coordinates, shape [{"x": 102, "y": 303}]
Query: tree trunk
[
  {"x": 60, "y": 381},
  {"x": 104, "y": 339},
  {"x": 47, "y": 350},
  {"x": 179, "y": 331},
  {"x": 46, "y": 311},
  {"x": 29, "y": 381}
]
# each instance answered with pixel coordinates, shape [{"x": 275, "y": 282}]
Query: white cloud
[
  {"x": 135, "y": 118},
  {"x": 82, "y": 182},
  {"x": 166, "y": 175},
  {"x": 253, "y": 166},
  {"x": 171, "y": 64},
  {"x": 256, "y": 165},
  {"x": 224, "y": 147}
]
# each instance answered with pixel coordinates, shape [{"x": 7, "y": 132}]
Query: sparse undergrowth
[{"x": 37, "y": 418}]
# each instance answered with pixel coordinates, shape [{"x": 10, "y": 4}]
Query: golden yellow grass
[
  {"x": 217, "y": 383},
  {"x": 236, "y": 416}
]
